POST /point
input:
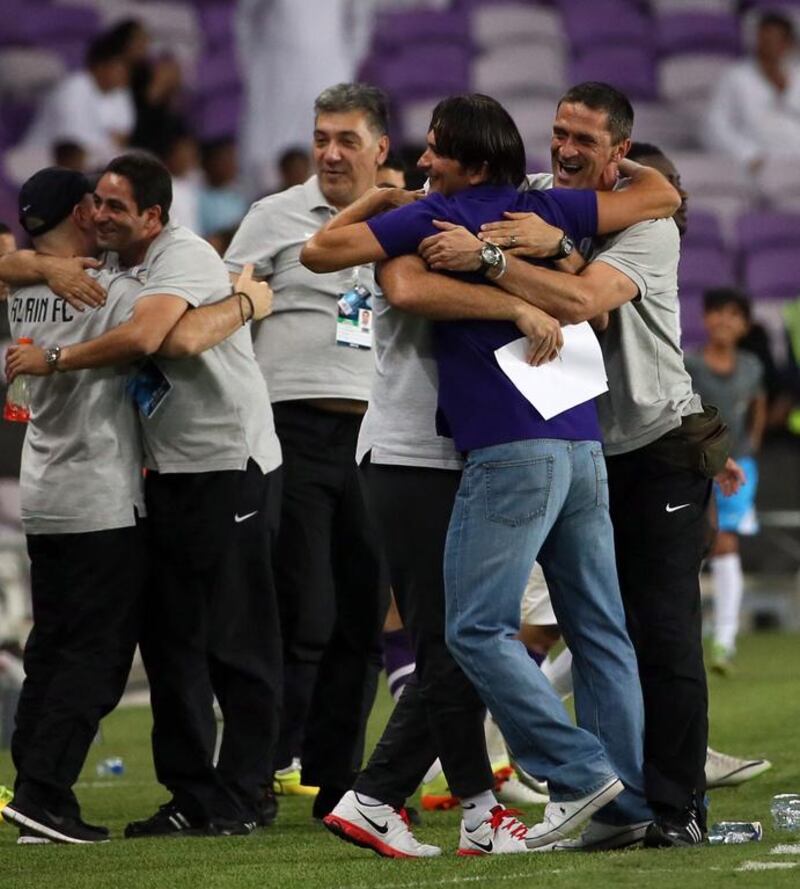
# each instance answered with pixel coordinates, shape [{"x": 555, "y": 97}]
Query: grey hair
[{"x": 356, "y": 97}]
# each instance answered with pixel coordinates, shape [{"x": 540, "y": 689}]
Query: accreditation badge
[
  {"x": 148, "y": 387},
  {"x": 354, "y": 318}
]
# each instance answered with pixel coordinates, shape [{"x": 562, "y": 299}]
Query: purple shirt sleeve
[
  {"x": 400, "y": 231},
  {"x": 579, "y": 210}
]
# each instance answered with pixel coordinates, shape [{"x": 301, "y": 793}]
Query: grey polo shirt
[
  {"x": 217, "y": 413},
  {"x": 82, "y": 457},
  {"x": 296, "y": 345},
  {"x": 649, "y": 388}
]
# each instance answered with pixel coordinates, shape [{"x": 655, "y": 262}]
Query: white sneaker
[
  {"x": 560, "y": 818},
  {"x": 529, "y": 781},
  {"x": 597, "y": 837},
  {"x": 499, "y": 834},
  {"x": 28, "y": 838},
  {"x": 723, "y": 770},
  {"x": 379, "y": 828},
  {"x": 512, "y": 790}
]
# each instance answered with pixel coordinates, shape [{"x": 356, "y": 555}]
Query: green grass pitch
[{"x": 757, "y": 712}]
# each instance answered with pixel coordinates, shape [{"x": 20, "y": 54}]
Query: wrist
[{"x": 52, "y": 358}]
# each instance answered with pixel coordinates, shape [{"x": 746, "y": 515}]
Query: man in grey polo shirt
[
  {"x": 211, "y": 491},
  {"x": 81, "y": 493},
  {"x": 319, "y": 366}
]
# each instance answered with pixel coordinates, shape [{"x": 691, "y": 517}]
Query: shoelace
[
  {"x": 501, "y": 776},
  {"x": 516, "y": 828}
]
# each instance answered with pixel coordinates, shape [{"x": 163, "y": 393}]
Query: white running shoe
[
  {"x": 560, "y": 818},
  {"x": 380, "y": 828},
  {"x": 723, "y": 770},
  {"x": 513, "y": 791},
  {"x": 598, "y": 837},
  {"x": 499, "y": 834},
  {"x": 529, "y": 781}
]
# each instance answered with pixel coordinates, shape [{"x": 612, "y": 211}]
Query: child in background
[{"x": 731, "y": 379}]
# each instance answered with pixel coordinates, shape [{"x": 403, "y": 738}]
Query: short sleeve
[
  {"x": 578, "y": 208},
  {"x": 256, "y": 240},
  {"x": 647, "y": 253},
  {"x": 188, "y": 269},
  {"x": 400, "y": 231}
]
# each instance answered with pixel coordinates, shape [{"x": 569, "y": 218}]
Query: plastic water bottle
[
  {"x": 730, "y": 832},
  {"x": 18, "y": 397},
  {"x": 786, "y": 811},
  {"x": 111, "y": 766}
]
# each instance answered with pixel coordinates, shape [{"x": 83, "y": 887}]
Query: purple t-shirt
[{"x": 478, "y": 405}]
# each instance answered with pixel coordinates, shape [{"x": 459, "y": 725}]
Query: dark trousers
[
  {"x": 660, "y": 530},
  {"x": 87, "y": 596},
  {"x": 439, "y": 713},
  {"x": 332, "y": 598},
  {"x": 211, "y": 626}
]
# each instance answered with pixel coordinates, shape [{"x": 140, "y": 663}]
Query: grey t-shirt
[
  {"x": 217, "y": 414},
  {"x": 82, "y": 457},
  {"x": 399, "y": 426},
  {"x": 732, "y": 394},
  {"x": 296, "y": 345},
  {"x": 649, "y": 388}
]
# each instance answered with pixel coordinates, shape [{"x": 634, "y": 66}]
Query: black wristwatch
[
  {"x": 51, "y": 356},
  {"x": 565, "y": 247},
  {"x": 492, "y": 259}
]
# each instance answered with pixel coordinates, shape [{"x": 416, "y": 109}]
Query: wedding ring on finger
[{"x": 512, "y": 240}]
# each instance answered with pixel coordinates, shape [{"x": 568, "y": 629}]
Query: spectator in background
[
  {"x": 754, "y": 114},
  {"x": 181, "y": 157},
  {"x": 294, "y": 166},
  {"x": 289, "y": 52},
  {"x": 392, "y": 173},
  {"x": 92, "y": 107},
  {"x": 731, "y": 379},
  {"x": 70, "y": 156},
  {"x": 222, "y": 205}
]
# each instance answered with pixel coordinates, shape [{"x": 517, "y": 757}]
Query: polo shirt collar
[{"x": 315, "y": 197}]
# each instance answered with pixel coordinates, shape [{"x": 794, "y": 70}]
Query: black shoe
[
  {"x": 267, "y": 809},
  {"x": 167, "y": 821},
  {"x": 226, "y": 827},
  {"x": 58, "y": 828},
  {"x": 675, "y": 829},
  {"x": 412, "y": 815},
  {"x": 325, "y": 801}
]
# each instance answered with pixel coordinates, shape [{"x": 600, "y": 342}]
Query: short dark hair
[
  {"x": 150, "y": 181},
  {"x": 209, "y": 147},
  {"x": 604, "y": 97},
  {"x": 644, "y": 149},
  {"x": 775, "y": 19},
  {"x": 105, "y": 48},
  {"x": 394, "y": 162},
  {"x": 476, "y": 130},
  {"x": 4, "y": 229},
  {"x": 719, "y": 297},
  {"x": 356, "y": 97},
  {"x": 290, "y": 155}
]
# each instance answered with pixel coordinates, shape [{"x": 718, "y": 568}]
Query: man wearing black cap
[{"x": 81, "y": 492}]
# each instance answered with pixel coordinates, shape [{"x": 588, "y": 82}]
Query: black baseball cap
[{"x": 48, "y": 197}]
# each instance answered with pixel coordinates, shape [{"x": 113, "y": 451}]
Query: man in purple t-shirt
[{"x": 530, "y": 486}]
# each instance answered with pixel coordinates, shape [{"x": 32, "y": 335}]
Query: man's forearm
[
  {"x": 22, "y": 268},
  {"x": 564, "y": 296},
  {"x": 410, "y": 286},
  {"x": 126, "y": 343},
  {"x": 205, "y": 327}
]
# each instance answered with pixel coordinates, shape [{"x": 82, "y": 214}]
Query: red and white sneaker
[
  {"x": 380, "y": 828},
  {"x": 499, "y": 834}
]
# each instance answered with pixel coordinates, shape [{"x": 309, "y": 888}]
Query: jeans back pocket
[{"x": 517, "y": 491}]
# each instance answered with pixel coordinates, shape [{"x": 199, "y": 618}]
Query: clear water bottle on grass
[
  {"x": 733, "y": 832},
  {"x": 786, "y": 811},
  {"x": 18, "y": 398},
  {"x": 110, "y": 767}
]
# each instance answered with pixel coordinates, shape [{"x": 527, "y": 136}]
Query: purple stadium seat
[
  {"x": 703, "y": 230},
  {"x": 773, "y": 273},
  {"x": 8, "y": 209},
  {"x": 218, "y": 72},
  {"x": 704, "y": 267},
  {"x": 693, "y": 332},
  {"x": 601, "y": 23},
  {"x": 686, "y": 32},
  {"x": 762, "y": 230},
  {"x": 397, "y": 30},
  {"x": 629, "y": 68},
  {"x": 48, "y": 25},
  {"x": 664, "y": 125},
  {"x": 216, "y": 23},
  {"x": 520, "y": 70},
  {"x": 218, "y": 115},
  {"x": 422, "y": 71}
]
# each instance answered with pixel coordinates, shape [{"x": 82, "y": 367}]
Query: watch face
[{"x": 490, "y": 254}]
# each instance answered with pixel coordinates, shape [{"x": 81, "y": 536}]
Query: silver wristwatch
[
  {"x": 51, "y": 356},
  {"x": 493, "y": 261},
  {"x": 565, "y": 247}
]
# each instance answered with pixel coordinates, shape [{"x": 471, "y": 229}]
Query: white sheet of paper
[{"x": 564, "y": 383}]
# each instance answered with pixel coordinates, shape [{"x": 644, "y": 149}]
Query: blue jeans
[{"x": 547, "y": 499}]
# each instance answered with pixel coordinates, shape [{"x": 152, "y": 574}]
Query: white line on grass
[
  {"x": 448, "y": 881},
  {"x": 785, "y": 849},
  {"x": 767, "y": 865}
]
